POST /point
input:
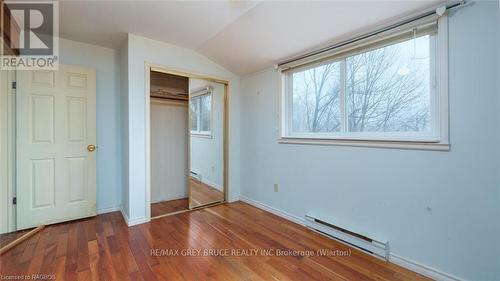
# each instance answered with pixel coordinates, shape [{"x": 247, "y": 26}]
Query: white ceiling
[{"x": 243, "y": 36}]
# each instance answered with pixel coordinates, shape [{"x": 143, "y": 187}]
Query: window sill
[{"x": 414, "y": 145}]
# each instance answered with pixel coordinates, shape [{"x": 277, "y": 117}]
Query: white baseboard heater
[
  {"x": 367, "y": 243},
  {"x": 196, "y": 176}
]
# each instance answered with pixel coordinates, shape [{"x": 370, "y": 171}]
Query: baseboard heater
[
  {"x": 374, "y": 246},
  {"x": 196, "y": 176}
]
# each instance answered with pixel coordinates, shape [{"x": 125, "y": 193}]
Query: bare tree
[
  {"x": 316, "y": 99},
  {"x": 379, "y": 95},
  {"x": 381, "y": 99}
]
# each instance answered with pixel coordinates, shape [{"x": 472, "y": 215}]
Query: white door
[{"x": 56, "y": 128}]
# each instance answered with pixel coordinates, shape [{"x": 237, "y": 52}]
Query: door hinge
[
  {"x": 14, "y": 85},
  {"x": 14, "y": 201}
]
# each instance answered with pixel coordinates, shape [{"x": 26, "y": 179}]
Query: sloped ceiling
[{"x": 243, "y": 36}]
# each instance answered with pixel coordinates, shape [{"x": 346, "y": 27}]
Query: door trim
[
  {"x": 148, "y": 67},
  {"x": 8, "y": 152}
]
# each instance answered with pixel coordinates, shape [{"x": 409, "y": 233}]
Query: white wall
[
  {"x": 169, "y": 150},
  {"x": 140, "y": 51},
  {"x": 207, "y": 154},
  {"x": 124, "y": 84},
  {"x": 106, "y": 62},
  {"x": 440, "y": 209}
]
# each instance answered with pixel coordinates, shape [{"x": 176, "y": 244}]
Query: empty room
[{"x": 250, "y": 140}]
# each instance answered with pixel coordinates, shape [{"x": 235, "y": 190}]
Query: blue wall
[{"x": 440, "y": 209}]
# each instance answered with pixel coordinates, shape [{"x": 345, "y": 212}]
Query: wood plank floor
[
  {"x": 104, "y": 248},
  {"x": 167, "y": 207},
  {"x": 10, "y": 237},
  {"x": 203, "y": 194}
]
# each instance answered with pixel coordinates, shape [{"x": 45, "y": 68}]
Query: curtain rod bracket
[{"x": 441, "y": 11}]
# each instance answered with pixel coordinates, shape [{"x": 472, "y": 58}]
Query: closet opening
[
  {"x": 169, "y": 137},
  {"x": 187, "y": 143}
]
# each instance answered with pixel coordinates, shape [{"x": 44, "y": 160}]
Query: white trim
[
  {"x": 108, "y": 210},
  {"x": 12, "y": 187},
  {"x": 393, "y": 258},
  {"x": 4, "y": 159},
  {"x": 124, "y": 215},
  {"x": 278, "y": 212},
  {"x": 137, "y": 221},
  {"x": 147, "y": 164},
  {"x": 437, "y": 139},
  {"x": 133, "y": 222},
  {"x": 423, "y": 269},
  {"x": 370, "y": 136},
  {"x": 369, "y": 143},
  {"x": 442, "y": 75},
  {"x": 7, "y": 151}
]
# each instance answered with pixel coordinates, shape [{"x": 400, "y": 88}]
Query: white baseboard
[
  {"x": 137, "y": 221},
  {"x": 108, "y": 210},
  {"x": 133, "y": 221},
  {"x": 170, "y": 199},
  {"x": 401, "y": 261},
  {"x": 212, "y": 184},
  {"x": 422, "y": 269},
  {"x": 124, "y": 215},
  {"x": 273, "y": 210}
]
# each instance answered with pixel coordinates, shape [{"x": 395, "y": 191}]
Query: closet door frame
[{"x": 147, "y": 79}]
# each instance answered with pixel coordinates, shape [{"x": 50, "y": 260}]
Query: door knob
[{"x": 91, "y": 147}]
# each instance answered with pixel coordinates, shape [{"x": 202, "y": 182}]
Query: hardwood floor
[
  {"x": 104, "y": 248},
  {"x": 167, "y": 207},
  {"x": 203, "y": 194},
  {"x": 9, "y": 237}
]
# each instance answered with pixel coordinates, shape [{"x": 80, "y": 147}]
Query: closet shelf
[{"x": 166, "y": 94}]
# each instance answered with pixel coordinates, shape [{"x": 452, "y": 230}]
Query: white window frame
[
  {"x": 437, "y": 139},
  {"x": 198, "y": 132}
]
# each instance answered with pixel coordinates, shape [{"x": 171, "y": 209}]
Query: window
[
  {"x": 388, "y": 89},
  {"x": 383, "y": 91},
  {"x": 200, "y": 109}
]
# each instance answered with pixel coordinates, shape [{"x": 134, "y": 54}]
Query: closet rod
[{"x": 169, "y": 98}]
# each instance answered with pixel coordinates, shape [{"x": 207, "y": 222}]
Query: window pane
[
  {"x": 388, "y": 89},
  {"x": 315, "y": 99},
  {"x": 205, "y": 112},
  {"x": 193, "y": 105}
]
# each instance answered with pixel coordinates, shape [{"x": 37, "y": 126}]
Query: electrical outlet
[
  {"x": 275, "y": 187},
  {"x": 213, "y": 169}
]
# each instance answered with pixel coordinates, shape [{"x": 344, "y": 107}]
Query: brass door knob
[{"x": 91, "y": 147}]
